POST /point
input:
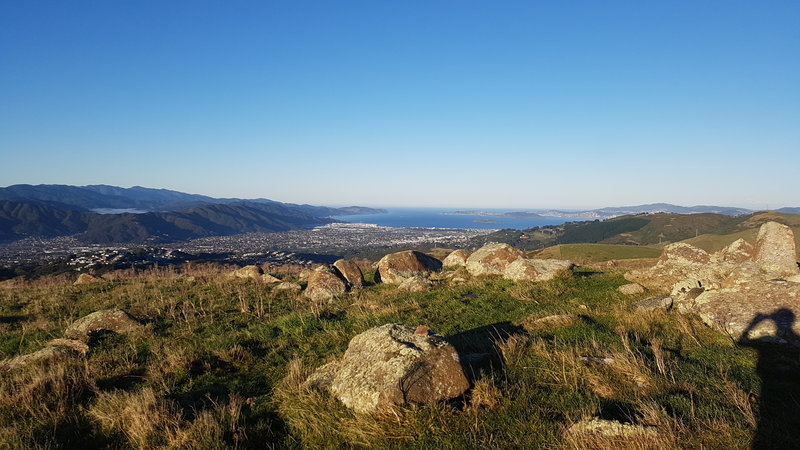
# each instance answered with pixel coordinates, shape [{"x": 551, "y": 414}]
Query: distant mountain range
[
  {"x": 610, "y": 212},
  {"x": 105, "y": 214}
]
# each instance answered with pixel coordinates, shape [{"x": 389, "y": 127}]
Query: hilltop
[{"x": 553, "y": 356}]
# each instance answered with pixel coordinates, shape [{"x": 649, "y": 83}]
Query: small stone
[{"x": 631, "y": 289}]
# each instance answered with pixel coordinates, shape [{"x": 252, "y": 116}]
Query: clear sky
[{"x": 462, "y": 103}]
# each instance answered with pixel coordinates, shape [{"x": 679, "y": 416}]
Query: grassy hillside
[
  {"x": 643, "y": 229},
  {"x": 589, "y": 253},
  {"x": 205, "y": 374}
]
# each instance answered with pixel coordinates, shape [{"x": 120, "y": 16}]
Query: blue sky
[{"x": 526, "y": 104}]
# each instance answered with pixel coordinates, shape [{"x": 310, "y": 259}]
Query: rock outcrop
[
  {"x": 536, "y": 269},
  {"x": 737, "y": 252},
  {"x": 680, "y": 262},
  {"x": 45, "y": 355},
  {"x": 775, "y": 249},
  {"x": 324, "y": 284},
  {"x": 492, "y": 259},
  {"x": 350, "y": 272},
  {"x": 393, "y": 365},
  {"x": 395, "y": 268},
  {"x": 103, "y": 321},
  {"x": 456, "y": 258},
  {"x": 742, "y": 290},
  {"x": 763, "y": 309}
]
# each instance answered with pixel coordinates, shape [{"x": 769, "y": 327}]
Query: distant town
[{"x": 302, "y": 247}]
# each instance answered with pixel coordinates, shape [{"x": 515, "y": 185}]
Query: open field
[{"x": 220, "y": 364}]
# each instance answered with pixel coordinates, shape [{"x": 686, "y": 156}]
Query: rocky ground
[{"x": 482, "y": 349}]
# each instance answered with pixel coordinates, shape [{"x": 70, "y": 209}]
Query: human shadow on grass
[
  {"x": 478, "y": 348},
  {"x": 779, "y": 369}
]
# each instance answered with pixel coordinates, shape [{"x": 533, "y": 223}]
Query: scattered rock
[
  {"x": 252, "y": 272},
  {"x": 415, "y": 284},
  {"x": 612, "y": 428},
  {"x": 324, "y": 284},
  {"x": 350, "y": 272},
  {"x": 45, "y": 355},
  {"x": 289, "y": 286},
  {"x": 107, "y": 320},
  {"x": 456, "y": 258},
  {"x": 631, "y": 289},
  {"x": 775, "y": 249},
  {"x": 536, "y": 269},
  {"x": 393, "y": 365},
  {"x": 269, "y": 279},
  {"x": 85, "y": 278},
  {"x": 74, "y": 344},
  {"x": 662, "y": 303},
  {"x": 492, "y": 259},
  {"x": 395, "y": 268}
]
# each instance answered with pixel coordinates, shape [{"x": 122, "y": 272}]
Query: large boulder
[
  {"x": 350, "y": 272},
  {"x": 395, "y": 268},
  {"x": 536, "y": 269},
  {"x": 456, "y": 258},
  {"x": 324, "y": 284},
  {"x": 393, "y": 365},
  {"x": 103, "y": 321},
  {"x": 682, "y": 253},
  {"x": 775, "y": 249},
  {"x": 492, "y": 259},
  {"x": 750, "y": 311}
]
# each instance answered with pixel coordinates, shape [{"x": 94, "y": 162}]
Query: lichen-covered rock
[
  {"x": 750, "y": 310},
  {"x": 324, "y": 284},
  {"x": 45, "y": 355},
  {"x": 456, "y": 258},
  {"x": 681, "y": 262},
  {"x": 393, "y": 365},
  {"x": 533, "y": 323},
  {"x": 775, "y": 249},
  {"x": 85, "y": 278},
  {"x": 631, "y": 289},
  {"x": 288, "y": 286},
  {"x": 536, "y": 269},
  {"x": 662, "y": 303},
  {"x": 251, "y": 272},
  {"x": 682, "y": 253},
  {"x": 350, "y": 272},
  {"x": 395, "y": 268},
  {"x": 737, "y": 252},
  {"x": 269, "y": 279},
  {"x": 107, "y": 320},
  {"x": 492, "y": 259},
  {"x": 612, "y": 428},
  {"x": 415, "y": 284}
]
